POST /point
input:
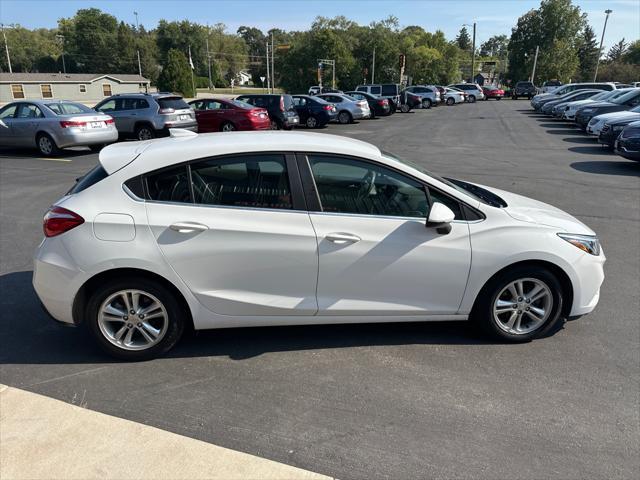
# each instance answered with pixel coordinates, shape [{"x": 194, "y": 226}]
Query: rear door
[{"x": 238, "y": 234}]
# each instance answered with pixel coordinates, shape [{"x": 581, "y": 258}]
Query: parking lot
[{"x": 377, "y": 401}]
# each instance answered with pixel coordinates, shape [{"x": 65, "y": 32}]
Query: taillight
[
  {"x": 109, "y": 121},
  {"x": 282, "y": 104},
  {"x": 70, "y": 124},
  {"x": 59, "y": 220},
  {"x": 383, "y": 102},
  {"x": 327, "y": 107},
  {"x": 165, "y": 111}
]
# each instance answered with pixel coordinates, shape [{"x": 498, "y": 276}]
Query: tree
[
  {"x": 463, "y": 40},
  {"x": 176, "y": 74},
  {"x": 256, "y": 48},
  {"x": 126, "y": 48},
  {"x": 496, "y": 46},
  {"x": 633, "y": 53},
  {"x": 588, "y": 53},
  {"x": 617, "y": 51}
]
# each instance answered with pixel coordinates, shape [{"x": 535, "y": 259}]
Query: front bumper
[
  {"x": 590, "y": 275},
  {"x": 628, "y": 148}
]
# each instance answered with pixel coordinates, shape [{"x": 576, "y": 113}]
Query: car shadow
[
  {"x": 30, "y": 336},
  {"x": 624, "y": 168},
  {"x": 591, "y": 150},
  {"x": 34, "y": 153},
  {"x": 565, "y": 131},
  {"x": 581, "y": 139},
  {"x": 558, "y": 125}
]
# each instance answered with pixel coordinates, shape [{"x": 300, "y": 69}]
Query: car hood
[
  {"x": 602, "y": 105},
  {"x": 605, "y": 117},
  {"x": 624, "y": 119},
  {"x": 527, "y": 209},
  {"x": 580, "y": 103}
]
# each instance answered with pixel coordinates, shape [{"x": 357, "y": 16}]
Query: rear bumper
[
  {"x": 191, "y": 126},
  {"x": 73, "y": 137}
]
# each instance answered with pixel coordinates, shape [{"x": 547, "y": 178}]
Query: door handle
[
  {"x": 340, "y": 238},
  {"x": 188, "y": 227}
]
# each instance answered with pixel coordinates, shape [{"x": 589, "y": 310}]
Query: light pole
[
  {"x": 473, "y": 52},
  {"x": 6, "y": 45},
  {"x": 64, "y": 65},
  {"x": 137, "y": 49},
  {"x": 604, "y": 29}
]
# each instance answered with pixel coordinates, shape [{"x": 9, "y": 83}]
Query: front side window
[
  {"x": 359, "y": 187},
  {"x": 29, "y": 110},
  {"x": 108, "y": 106},
  {"x": 8, "y": 112},
  {"x": 259, "y": 181},
  {"x": 17, "y": 91}
]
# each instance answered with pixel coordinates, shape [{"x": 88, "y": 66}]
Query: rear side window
[
  {"x": 259, "y": 181},
  {"x": 376, "y": 90},
  {"x": 68, "y": 108},
  {"x": 361, "y": 89},
  {"x": 288, "y": 102},
  {"x": 91, "y": 178},
  {"x": 169, "y": 185},
  {"x": 177, "y": 103}
]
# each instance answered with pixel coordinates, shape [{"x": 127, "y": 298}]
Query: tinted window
[
  {"x": 354, "y": 186},
  {"x": 176, "y": 103},
  {"x": 361, "y": 89},
  {"x": 299, "y": 102},
  {"x": 91, "y": 178},
  {"x": 134, "y": 103},
  {"x": 8, "y": 111},
  {"x": 170, "y": 185},
  {"x": 247, "y": 181},
  {"x": 375, "y": 90},
  {"x": 28, "y": 110},
  {"x": 389, "y": 90},
  {"x": 108, "y": 106}
]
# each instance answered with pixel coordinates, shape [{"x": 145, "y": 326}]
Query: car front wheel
[
  {"x": 519, "y": 304},
  {"x": 472, "y": 99},
  {"x": 135, "y": 319},
  {"x": 145, "y": 132},
  {"x": 426, "y": 103},
  {"x": 312, "y": 122}
]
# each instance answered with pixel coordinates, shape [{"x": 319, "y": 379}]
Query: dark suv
[
  {"x": 523, "y": 89},
  {"x": 281, "y": 109},
  {"x": 148, "y": 115}
]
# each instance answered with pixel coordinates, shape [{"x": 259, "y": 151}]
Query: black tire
[
  {"x": 145, "y": 132},
  {"x": 227, "y": 127},
  {"x": 345, "y": 117},
  {"x": 514, "y": 97},
  {"x": 176, "y": 317},
  {"x": 486, "y": 98},
  {"x": 404, "y": 108},
  {"x": 472, "y": 99},
  {"x": 275, "y": 125},
  {"x": 426, "y": 103},
  {"x": 482, "y": 313},
  {"x": 498, "y": 98},
  {"x": 450, "y": 101},
  {"x": 47, "y": 145}
]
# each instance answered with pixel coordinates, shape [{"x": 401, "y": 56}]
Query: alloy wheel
[
  {"x": 228, "y": 127},
  {"x": 522, "y": 306},
  {"x": 45, "y": 145},
  {"x": 312, "y": 122},
  {"x": 133, "y": 320},
  {"x": 145, "y": 134},
  {"x": 344, "y": 117}
]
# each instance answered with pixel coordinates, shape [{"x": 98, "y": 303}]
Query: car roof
[{"x": 163, "y": 152}]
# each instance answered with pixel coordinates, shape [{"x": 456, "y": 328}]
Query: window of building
[
  {"x": 83, "y": 89},
  {"x": 106, "y": 89},
  {"x": 46, "y": 91},
  {"x": 17, "y": 91}
]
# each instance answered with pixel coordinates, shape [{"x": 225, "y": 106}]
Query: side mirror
[{"x": 440, "y": 218}]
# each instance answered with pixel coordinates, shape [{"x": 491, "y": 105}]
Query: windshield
[
  {"x": 476, "y": 193},
  {"x": 635, "y": 109},
  {"x": 623, "y": 98},
  {"x": 68, "y": 108}
]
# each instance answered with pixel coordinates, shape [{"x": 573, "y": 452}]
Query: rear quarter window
[
  {"x": 92, "y": 177},
  {"x": 177, "y": 103}
]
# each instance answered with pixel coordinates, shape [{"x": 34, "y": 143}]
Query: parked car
[
  {"x": 453, "y": 96},
  {"x": 280, "y": 107},
  {"x": 473, "y": 91},
  {"x": 523, "y": 89},
  {"x": 349, "y": 109},
  {"x": 550, "y": 85},
  {"x": 285, "y": 228},
  {"x": 225, "y": 115},
  {"x": 570, "y": 108},
  {"x": 429, "y": 94},
  {"x": 379, "y": 106},
  {"x": 597, "y": 123},
  {"x": 624, "y": 102},
  {"x": 612, "y": 129},
  {"x": 148, "y": 115},
  {"x": 388, "y": 90},
  {"x": 314, "y": 112},
  {"x": 570, "y": 87},
  {"x": 548, "y": 107},
  {"x": 409, "y": 101},
  {"x": 442, "y": 91},
  {"x": 50, "y": 125},
  {"x": 628, "y": 143},
  {"x": 491, "y": 91},
  {"x": 315, "y": 90}
]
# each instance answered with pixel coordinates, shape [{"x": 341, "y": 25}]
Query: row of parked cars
[
  {"x": 608, "y": 111},
  {"x": 52, "y": 125}
]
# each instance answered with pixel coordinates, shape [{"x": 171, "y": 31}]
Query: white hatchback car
[{"x": 287, "y": 228}]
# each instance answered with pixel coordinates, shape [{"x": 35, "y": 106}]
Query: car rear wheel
[
  {"x": 344, "y": 117},
  {"x": 519, "y": 304},
  {"x": 312, "y": 122},
  {"x": 135, "y": 319},
  {"x": 514, "y": 97},
  {"x": 426, "y": 103},
  {"x": 145, "y": 132},
  {"x": 450, "y": 101},
  {"x": 404, "y": 108},
  {"x": 227, "y": 127},
  {"x": 46, "y": 145},
  {"x": 472, "y": 99}
]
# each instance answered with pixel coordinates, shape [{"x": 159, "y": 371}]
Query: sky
[{"x": 493, "y": 17}]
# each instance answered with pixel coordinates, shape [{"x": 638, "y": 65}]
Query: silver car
[
  {"x": 429, "y": 94},
  {"x": 51, "y": 125},
  {"x": 349, "y": 109},
  {"x": 148, "y": 115}
]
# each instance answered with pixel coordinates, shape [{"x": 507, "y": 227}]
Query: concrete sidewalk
[{"x": 45, "y": 438}]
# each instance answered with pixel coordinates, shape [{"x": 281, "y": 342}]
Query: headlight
[
  {"x": 587, "y": 243},
  {"x": 617, "y": 128}
]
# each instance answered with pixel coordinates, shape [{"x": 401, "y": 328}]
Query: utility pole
[
  {"x": 373, "y": 66},
  {"x": 535, "y": 63},
  {"x": 473, "y": 54},
  {"x": 61, "y": 38},
  {"x": 209, "y": 59},
  {"x": 137, "y": 49},
  {"x": 268, "y": 76},
  {"x": 604, "y": 29},
  {"x": 6, "y": 46},
  {"x": 273, "y": 65}
]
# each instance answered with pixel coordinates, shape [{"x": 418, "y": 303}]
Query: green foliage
[
  {"x": 463, "y": 40},
  {"x": 588, "y": 52},
  {"x": 618, "y": 72},
  {"x": 176, "y": 74},
  {"x": 633, "y": 53},
  {"x": 496, "y": 46},
  {"x": 617, "y": 51}
]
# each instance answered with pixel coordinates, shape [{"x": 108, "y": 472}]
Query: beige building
[{"x": 81, "y": 87}]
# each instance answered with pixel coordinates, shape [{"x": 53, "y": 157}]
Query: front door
[
  {"x": 376, "y": 255},
  {"x": 25, "y": 124},
  {"x": 237, "y": 235}
]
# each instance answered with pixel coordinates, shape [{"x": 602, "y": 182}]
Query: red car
[
  {"x": 491, "y": 91},
  {"x": 225, "y": 115}
]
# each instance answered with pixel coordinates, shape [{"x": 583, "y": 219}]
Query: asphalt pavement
[{"x": 377, "y": 401}]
